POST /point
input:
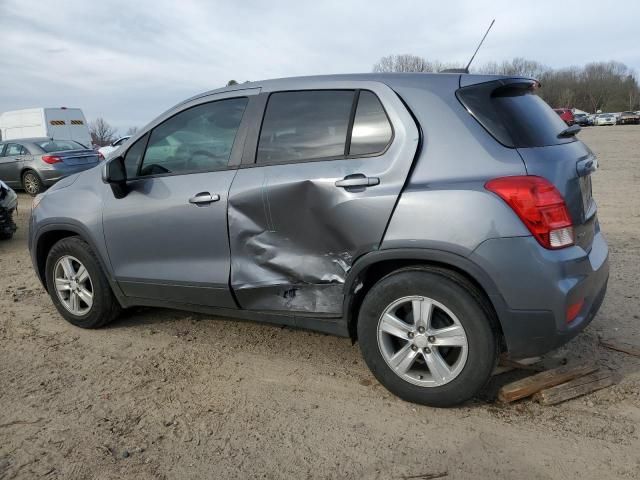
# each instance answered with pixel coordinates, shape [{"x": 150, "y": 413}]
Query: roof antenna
[
  {"x": 466, "y": 69},
  {"x": 479, "y": 45}
]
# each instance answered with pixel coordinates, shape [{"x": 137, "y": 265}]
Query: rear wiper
[{"x": 570, "y": 131}]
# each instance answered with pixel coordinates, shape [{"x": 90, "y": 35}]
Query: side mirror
[{"x": 116, "y": 176}]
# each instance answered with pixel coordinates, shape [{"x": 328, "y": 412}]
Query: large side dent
[{"x": 288, "y": 253}]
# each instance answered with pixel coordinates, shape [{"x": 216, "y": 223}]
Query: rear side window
[
  {"x": 371, "y": 128},
  {"x": 514, "y": 115},
  {"x": 15, "y": 149},
  {"x": 305, "y": 125}
]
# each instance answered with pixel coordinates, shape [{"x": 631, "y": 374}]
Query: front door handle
[
  {"x": 204, "y": 198},
  {"x": 357, "y": 180}
]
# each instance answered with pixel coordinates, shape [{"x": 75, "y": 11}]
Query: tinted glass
[
  {"x": 305, "y": 125},
  {"x": 515, "y": 116},
  {"x": 371, "y": 128},
  {"x": 198, "y": 139},
  {"x": 133, "y": 157},
  {"x": 59, "y": 145}
]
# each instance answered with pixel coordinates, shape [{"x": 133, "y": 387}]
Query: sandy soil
[{"x": 165, "y": 394}]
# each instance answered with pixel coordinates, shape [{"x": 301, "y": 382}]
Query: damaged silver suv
[{"x": 437, "y": 219}]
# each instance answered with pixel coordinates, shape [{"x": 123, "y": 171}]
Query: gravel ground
[{"x": 166, "y": 394}]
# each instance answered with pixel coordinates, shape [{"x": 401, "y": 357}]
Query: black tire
[
  {"x": 105, "y": 306},
  {"x": 462, "y": 298},
  {"x": 31, "y": 183}
]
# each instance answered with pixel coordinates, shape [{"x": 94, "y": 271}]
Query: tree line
[{"x": 606, "y": 86}]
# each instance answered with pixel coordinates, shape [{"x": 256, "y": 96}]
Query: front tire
[
  {"x": 77, "y": 285},
  {"x": 31, "y": 183},
  {"x": 426, "y": 335}
]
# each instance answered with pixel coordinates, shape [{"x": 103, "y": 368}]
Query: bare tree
[
  {"x": 403, "y": 63},
  {"x": 101, "y": 132},
  {"x": 231, "y": 83},
  {"x": 516, "y": 66},
  {"x": 132, "y": 131},
  {"x": 409, "y": 63}
]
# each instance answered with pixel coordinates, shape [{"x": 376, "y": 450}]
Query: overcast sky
[{"x": 128, "y": 61}]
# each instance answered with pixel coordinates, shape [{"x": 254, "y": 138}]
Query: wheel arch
[
  {"x": 372, "y": 267},
  {"x": 50, "y": 234},
  {"x": 28, "y": 168}
]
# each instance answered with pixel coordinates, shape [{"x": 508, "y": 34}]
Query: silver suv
[{"x": 437, "y": 219}]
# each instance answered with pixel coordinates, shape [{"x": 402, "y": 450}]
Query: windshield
[{"x": 50, "y": 146}]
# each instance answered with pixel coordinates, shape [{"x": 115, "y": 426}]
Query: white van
[{"x": 57, "y": 123}]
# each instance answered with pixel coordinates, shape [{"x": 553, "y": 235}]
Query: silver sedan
[{"x": 37, "y": 163}]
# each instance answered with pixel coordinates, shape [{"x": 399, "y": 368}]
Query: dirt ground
[{"x": 167, "y": 394}]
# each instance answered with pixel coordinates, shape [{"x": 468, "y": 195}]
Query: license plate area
[{"x": 587, "y": 194}]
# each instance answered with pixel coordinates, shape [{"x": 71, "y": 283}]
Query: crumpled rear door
[{"x": 295, "y": 232}]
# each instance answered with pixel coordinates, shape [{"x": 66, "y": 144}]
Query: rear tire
[
  {"x": 458, "y": 316},
  {"x": 77, "y": 285},
  {"x": 31, "y": 183}
]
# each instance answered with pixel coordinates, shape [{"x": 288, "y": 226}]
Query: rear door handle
[
  {"x": 357, "y": 180},
  {"x": 204, "y": 198}
]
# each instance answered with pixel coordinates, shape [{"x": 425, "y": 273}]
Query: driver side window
[{"x": 195, "y": 140}]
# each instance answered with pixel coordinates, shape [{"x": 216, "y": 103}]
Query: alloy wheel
[
  {"x": 73, "y": 285},
  {"x": 422, "y": 341},
  {"x": 31, "y": 183}
]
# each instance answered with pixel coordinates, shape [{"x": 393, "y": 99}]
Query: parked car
[
  {"x": 626, "y": 118},
  {"x": 107, "y": 150},
  {"x": 54, "y": 123},
  {"x": 581, "y": 119},
  {"x": 8, "y": 206},
  {"x": 403, "y": 211},
  {"x": 37, "y": 163},
  {"x": 565, "y": 114},
  {"x": 605, "y": 119}
]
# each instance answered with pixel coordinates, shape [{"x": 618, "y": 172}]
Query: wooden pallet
[
  {"x": 543, "y": 380},
  {"x": 576, "y": 387}
]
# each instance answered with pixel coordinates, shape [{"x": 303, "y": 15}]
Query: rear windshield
[
  {"x": 59, "y": 145},
  {"x": 514, "y": 115}
]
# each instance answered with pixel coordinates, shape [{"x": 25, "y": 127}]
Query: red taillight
[
  {"x": 539, "y": 205},
  {"x": 573, "y": 310},
  {"x": 51, "y": 159}
]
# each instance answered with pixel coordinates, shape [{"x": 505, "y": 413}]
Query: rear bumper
[{"x": 536, "y": 286}]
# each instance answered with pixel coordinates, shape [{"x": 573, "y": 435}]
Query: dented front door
[{"x": 296, "y": 228}]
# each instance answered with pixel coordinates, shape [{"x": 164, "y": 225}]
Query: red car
[{"x": 566, "y": 115}]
